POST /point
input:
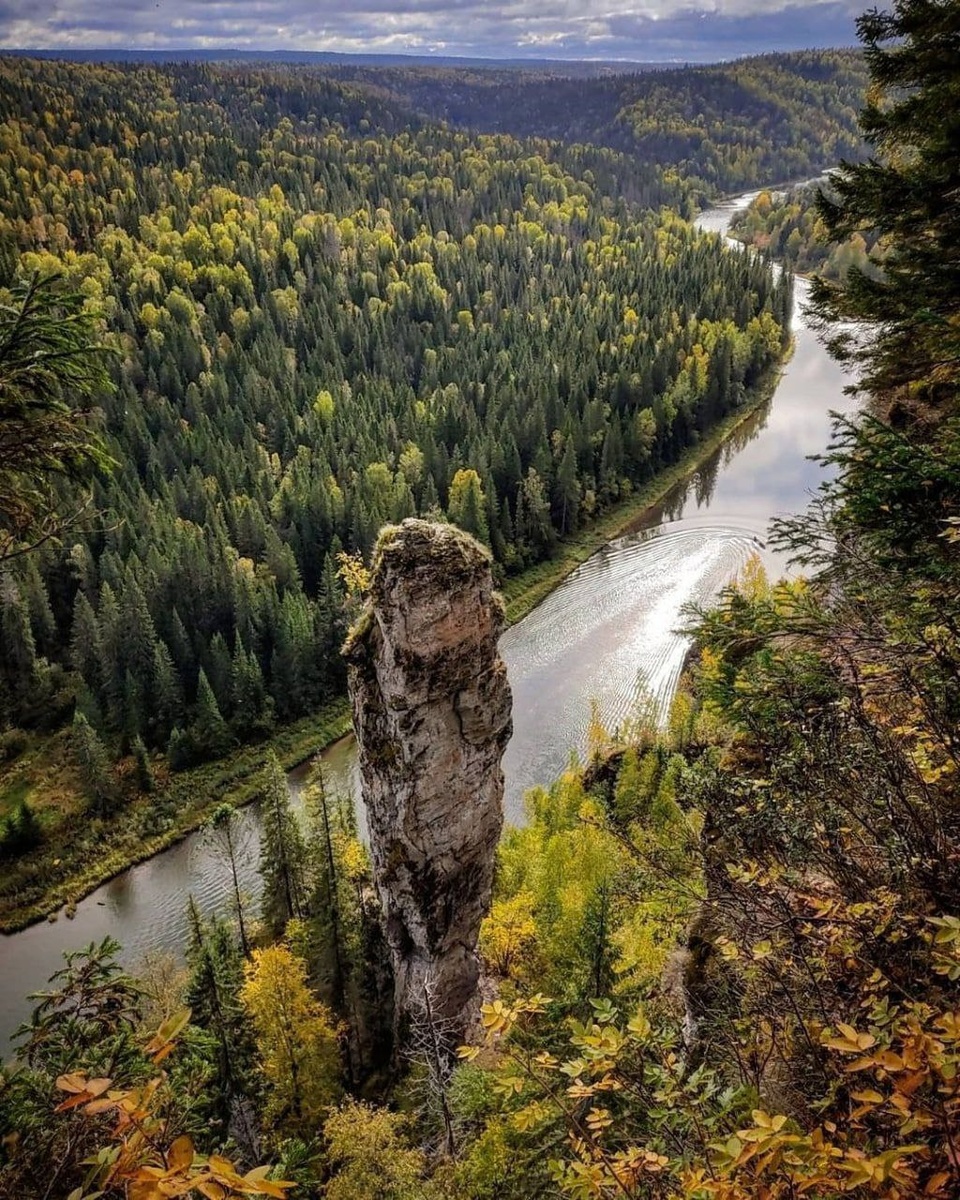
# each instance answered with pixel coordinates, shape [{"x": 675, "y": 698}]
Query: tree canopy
[
  {"x": 53, "y": 374},
  {"x": 328, "y": 314}
]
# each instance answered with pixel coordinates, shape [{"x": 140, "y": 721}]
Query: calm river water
[{"x": 608, "y": 634}]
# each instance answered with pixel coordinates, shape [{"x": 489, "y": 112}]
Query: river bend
[{"x": 608, "y": 634}]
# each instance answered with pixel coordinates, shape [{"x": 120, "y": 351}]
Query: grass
[{"x": 80, "y": 852}]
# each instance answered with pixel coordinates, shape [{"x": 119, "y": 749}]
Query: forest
[
  {"x": 788, "y": 225},
  {"x": 322, "y": 316},
  {"x": 718, "y": 129},
  {"x": 723, "y": 956}
]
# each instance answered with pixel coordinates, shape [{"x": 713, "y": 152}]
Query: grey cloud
[{"x": 623, "y": 29}]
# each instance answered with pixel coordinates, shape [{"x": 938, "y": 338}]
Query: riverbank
[
  {"x": 66, "y": 871},
  {"x": 82, "y": 854},
  {"x": 525, "y": 591}
]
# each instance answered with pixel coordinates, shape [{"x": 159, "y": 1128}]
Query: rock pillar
[{"x": 431, "y": 710}]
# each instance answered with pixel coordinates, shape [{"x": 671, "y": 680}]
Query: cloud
[{"x": 622, "y": 29}]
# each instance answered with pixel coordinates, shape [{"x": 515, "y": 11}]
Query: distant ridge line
[{"x": 579, "y": 67}]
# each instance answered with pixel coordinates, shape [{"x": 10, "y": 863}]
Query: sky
[{"x": 639, "y": 30}]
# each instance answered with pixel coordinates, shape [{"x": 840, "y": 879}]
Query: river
[{"x": 608, "y": 635}]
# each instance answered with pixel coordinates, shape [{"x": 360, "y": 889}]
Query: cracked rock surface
[{"x": 431, "y": 710}]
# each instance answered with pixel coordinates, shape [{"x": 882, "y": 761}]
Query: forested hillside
[
  {"x": 723, "y": 956},
  {"x": 720, "y": 128},
  {"x": 789, "y": 226},
  {"x": 324, "y": 319}
]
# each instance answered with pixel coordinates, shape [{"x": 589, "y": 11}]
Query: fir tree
[
  {"x": 95, "y": 765},
  {"x": 282, "y": 855},
  {"x": 907, "y": 194}
]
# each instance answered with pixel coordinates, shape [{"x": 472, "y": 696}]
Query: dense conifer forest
[
  {"x": 723, "y": 956},
  {"x": 720, "y": 129},
  {"x": 324, "y": 316}
]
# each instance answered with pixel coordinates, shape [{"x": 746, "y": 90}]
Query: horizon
[
  {"x": 561, "y": 31},
  {"x": 175, "y": 54},
  {"x": 292, "y": 56}
]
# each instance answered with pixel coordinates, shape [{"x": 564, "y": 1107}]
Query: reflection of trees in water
[
  {"x": 705, "y": 480},
  {"x": 744, "y": 434},
  {"x": 675, "y": 503},
  {"x": 701, "y": 485}
]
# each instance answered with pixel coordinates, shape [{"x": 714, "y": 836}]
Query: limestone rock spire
[{"x": 431, "y": 709}]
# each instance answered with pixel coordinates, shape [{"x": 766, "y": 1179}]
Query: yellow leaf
[
  {"x": 210, "y": 1188},
  {"x": 171, "y": 1028},
  {"x": 275, "y": 1188},
  {"x": 223, "y": 1169},
  {"x": 95, "y": 1107},
  {"x": 73, "y": 1082},
  {"x": 180, "y": 1154}
]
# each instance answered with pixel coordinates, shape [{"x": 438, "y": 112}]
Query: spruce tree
[
  {"x": 213, "y": 993},
  {"x": 146, "y": 781},
  {"x": 253, "y": 708},
  {"x": 18, "y": 652},
  {"x": 52, "y": 372},
  {"x": 21, "y": 831},
  {"x": 179, "y": 750},
  {"x": 84, "y": 643},
  {"x": 95, "y": 766},
  {"x": 168, "y": 706},
  {"x": 908, "y": 193},
  {"x": 282, "y": 854},
  {"x": 208, "y": 730}
]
